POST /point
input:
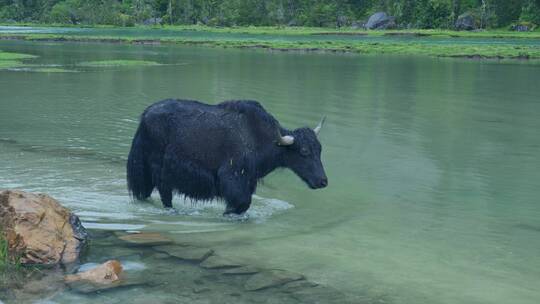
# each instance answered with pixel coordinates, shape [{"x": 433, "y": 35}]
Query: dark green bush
[{"x": 416, "y": 13}]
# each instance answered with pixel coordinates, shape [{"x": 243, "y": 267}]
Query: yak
[{"x": 217, "y": 151}]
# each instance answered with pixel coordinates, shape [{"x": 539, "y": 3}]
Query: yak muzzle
[{"x": 321, "y": 183}]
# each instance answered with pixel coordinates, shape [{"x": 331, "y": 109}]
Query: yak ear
[{"x": 318, "y": 128}]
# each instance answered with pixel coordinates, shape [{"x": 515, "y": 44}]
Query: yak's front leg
[{"x": 236, "y": 188}]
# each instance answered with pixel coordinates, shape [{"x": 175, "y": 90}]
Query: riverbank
[
  {"x": 305, "y": 39},
  {"x": 300, "y": 30}
]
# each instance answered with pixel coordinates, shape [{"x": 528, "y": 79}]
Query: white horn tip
[{"x": 286, "y": 140}]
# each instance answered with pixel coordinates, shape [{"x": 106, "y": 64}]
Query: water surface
[{"x": 432, "y": 165}]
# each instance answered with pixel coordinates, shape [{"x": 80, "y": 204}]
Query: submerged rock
[
  {"x": 188, "y": 253},
  {"x": 242, "y": 270},
  {"x": 271, "y": 278},
  {"x": 298, "y": 285},
  {"x": 30, "y": 284},
  {"x": 216, "y": 262},
  {"x": 323, "y": 295},
  {"x": 146, "y": 238},
  {"x": 39, "y": 230},
  {"x": 105, "y": 276},
  {"x": 106, "y": 273}
]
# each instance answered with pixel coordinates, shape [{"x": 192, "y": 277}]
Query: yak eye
[{"x": 304, "y": 151}]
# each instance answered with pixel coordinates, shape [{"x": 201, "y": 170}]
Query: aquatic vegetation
[
  {"x": 51, "y": 70},
  {"x": 45, "y": 70},
  {"x": 302, "y": 30},
  {"x": 409, "y": 47},
  {"x": 6, "y": 64},
  {"x": 15, "y": 56},
  {"x": 118, "y": 63},
  {"x": 12, "y": 60}
]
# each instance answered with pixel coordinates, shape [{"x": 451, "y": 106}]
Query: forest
[{"x": 421, "y": 14}]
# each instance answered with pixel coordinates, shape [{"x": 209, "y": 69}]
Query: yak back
[{"x": 210, "y": 135}]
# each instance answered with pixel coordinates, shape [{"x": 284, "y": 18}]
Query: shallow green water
[{"x": 432, "y": 165}]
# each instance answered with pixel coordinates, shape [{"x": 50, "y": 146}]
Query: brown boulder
[{"x": 38, "y": 229}]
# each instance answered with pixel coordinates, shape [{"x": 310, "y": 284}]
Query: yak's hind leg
[
  {"x": 166, "y": 196},
  {"x": 236, "y": 188},
  {"x": 185, "y": 177},
  {"x": 164, "y": 179}
]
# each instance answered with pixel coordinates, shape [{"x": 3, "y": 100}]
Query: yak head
[{"x": 302, "y": 154}]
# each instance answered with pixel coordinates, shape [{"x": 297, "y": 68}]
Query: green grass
[
  {"x": 301, "y": 30},
  {"x": 12, "y": 60},
  {"x": 275, "y": 30},
  {"x": 7, "y": 64},
  {"x": 37, "y": 69},
  {"x": 4, "y": 256},
  {"x": 15, "y": 56},
  {"x": 409, "y": 47},
  {"x": 7, "y": 261},
  {"x": 118, "y": 63},
  {"x": 50, "y": 70}
]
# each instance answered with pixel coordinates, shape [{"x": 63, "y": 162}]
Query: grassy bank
[
  {"x": 272, "y": 30},
  {"x": 7, "y": 261},
  {"x": 409, "y": 47},
  {"x": 299, "y": 30}
]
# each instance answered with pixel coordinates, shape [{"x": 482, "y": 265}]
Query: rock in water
[
  {"x": 39, "y": 229},
  {"x": 188, "y": 253},
  {"x": 244, "y": 270},
  {"x": 380, "y": 21},
  {"x": 105, "y": 276},
  {"x": 146, "y": 238},
  {"x": 271, "y": 278},
  {"x": 218, "y": 262},
  {"x": 106, "y": 273}
]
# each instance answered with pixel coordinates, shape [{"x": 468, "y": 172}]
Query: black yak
[{"x": 217, "y": 151}]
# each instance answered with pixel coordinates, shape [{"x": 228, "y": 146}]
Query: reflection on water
[{"x": 432, "y": 168}]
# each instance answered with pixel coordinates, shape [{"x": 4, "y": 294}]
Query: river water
[{"x": 432, "y": 166}]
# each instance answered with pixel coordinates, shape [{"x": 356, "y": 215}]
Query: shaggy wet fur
[{"x": 215, "y": 151}]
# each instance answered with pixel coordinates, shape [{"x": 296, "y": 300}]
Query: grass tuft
[
  {"x": 12, "y": 60},
  {"x": 7, "y": 260},
  {"x": 118, "y": 63}
]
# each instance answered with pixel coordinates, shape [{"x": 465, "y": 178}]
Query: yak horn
[
  {"x": 286, "y": 140},
  {"x": 318, "y": 128}
]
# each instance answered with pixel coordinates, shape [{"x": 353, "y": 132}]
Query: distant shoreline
[{"x": 409, "y": 47}]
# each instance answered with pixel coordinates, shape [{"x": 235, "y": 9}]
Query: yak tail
[{"x": 139, "y": 177}]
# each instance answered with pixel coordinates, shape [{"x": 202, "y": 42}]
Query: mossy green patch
[
  {"x": 15, "y": 56},
  {"x": 51, "y": 70},
  {"x": 118, "y": 63},
  {"x": 12, "y": 60},
  {"x": 7, "y": 64},
  {"x": 32, "y": 69}
]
